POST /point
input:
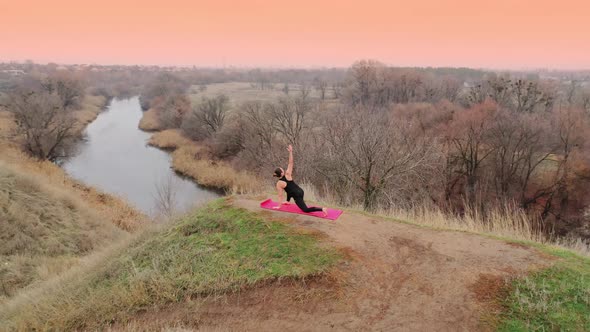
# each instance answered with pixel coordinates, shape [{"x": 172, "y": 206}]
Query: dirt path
[{"x": 400, "y": 278}]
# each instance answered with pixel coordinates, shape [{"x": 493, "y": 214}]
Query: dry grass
[
  {"x": 59, "y": 284},
  {"x": 192, "y": 160},
  {"x": 43, "y": 229},
  {"x": 508, "y": 223},
  {"x": 188, "y": 160},
  {"x": 6, "y": 124},
  {"x": 169, "y": 139},
  {"x": 149, "y": 121},
  {"x": 109, "y": 207},
  {"x": 90, "y": 109},
  {"x": 215, "y": 250}
]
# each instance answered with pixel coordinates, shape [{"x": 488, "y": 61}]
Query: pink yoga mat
[{"x": 292, "y": 208}]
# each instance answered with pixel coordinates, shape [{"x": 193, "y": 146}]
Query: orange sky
[{"x": 472, "y": 33}]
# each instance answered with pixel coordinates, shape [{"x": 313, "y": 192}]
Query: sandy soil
[{"x": 399, "y": 278}]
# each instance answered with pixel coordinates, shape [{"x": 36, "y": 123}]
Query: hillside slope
[
  {"x": 401, "y": 277},
  {"x": 232, "y": 266},
  {"x": 398, "y": 277},
  {"x": 215, "y": 250},
  {"x": 43, "y": 230}
]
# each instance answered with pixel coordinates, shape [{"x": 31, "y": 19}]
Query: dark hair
[{"x": 278, "y": 172}]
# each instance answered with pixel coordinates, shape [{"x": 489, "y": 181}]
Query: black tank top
[{"x": 292, "y": 189}]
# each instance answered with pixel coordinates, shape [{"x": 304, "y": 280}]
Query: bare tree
[
  {"x": 165, "y": 197},
  {"x": 476, "y": 94},
  {"x": 161, "y": 87},
  {"x": 258, "y": 135},
  {"x": 337, "y": 90},
  {"x": 207, "y": 118},
  {"x": 172, "y": 110},
  {"x": 289, "y": 115},
  {"x": 527, "y": 95},
  {"x": 69, "y": 89},
  {"x": 44, "y": 128},
  {"x": 570, "y": 92},
  {"x": 500, "y": 90},
  {"x": 371, "y": 151},
  {"x": 451, "y": 87},
  {"x": 571, "y": 137},
  {"x": 520, "y": 147},
  {"x": 363, "y": 77},
  {"x": 583, "y": 100},
  {"x": 468, "y": 138},
  {"x": 520, "y": 95},
  {"x": 321, "y": 86},
  {"x": 401, "y": 87}
]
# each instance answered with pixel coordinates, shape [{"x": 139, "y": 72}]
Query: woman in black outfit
[{"x": 286, "y": 184}]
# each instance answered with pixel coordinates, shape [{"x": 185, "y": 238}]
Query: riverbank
[
  {"x": 109, "y": 207},
  {"x": 49, "y": 222},
  {"x": 192, "y": 160}
]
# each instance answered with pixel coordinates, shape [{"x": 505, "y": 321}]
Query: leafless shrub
[
  {"x": 172, "y": 111},
  {"x": 321, "y": 86},
  {"x": 165, "y": 201},
  {"x": 289, "y": 117},
  {"x": 69, "y": 89},
  {"x": 259, "y": 136},
  {"x": 45, "y": 129},
  {"x": 229, "y": 141},
  {"x": 161, "y": 87},
  {"x": 207, "y": 118}
]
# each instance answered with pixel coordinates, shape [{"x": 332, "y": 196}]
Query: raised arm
[{"x": 289, "y": 171}]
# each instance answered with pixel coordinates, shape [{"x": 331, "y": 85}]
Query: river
[{"x": 115, "y": 158}]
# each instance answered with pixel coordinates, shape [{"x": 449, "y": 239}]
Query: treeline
[{"x": 405, "y": 137}]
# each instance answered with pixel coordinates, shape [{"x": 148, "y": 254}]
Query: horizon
[
  {"x": 527, "y": 36},
  {"x": 288, "y": 67}
]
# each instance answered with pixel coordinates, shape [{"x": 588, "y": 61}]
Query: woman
[{"x": 286, "y": 184}]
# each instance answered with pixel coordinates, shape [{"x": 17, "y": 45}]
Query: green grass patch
[
  {"x": 217, "y": 249},
  {"x": 553, "y": 299}
]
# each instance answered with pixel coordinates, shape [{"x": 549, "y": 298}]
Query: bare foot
[{"x": 325, "y": 210}]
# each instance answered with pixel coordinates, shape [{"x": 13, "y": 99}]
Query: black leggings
[{"x": 301, "y": 204}]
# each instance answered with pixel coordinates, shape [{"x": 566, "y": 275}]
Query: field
[{"x": 240, "y": 92}]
